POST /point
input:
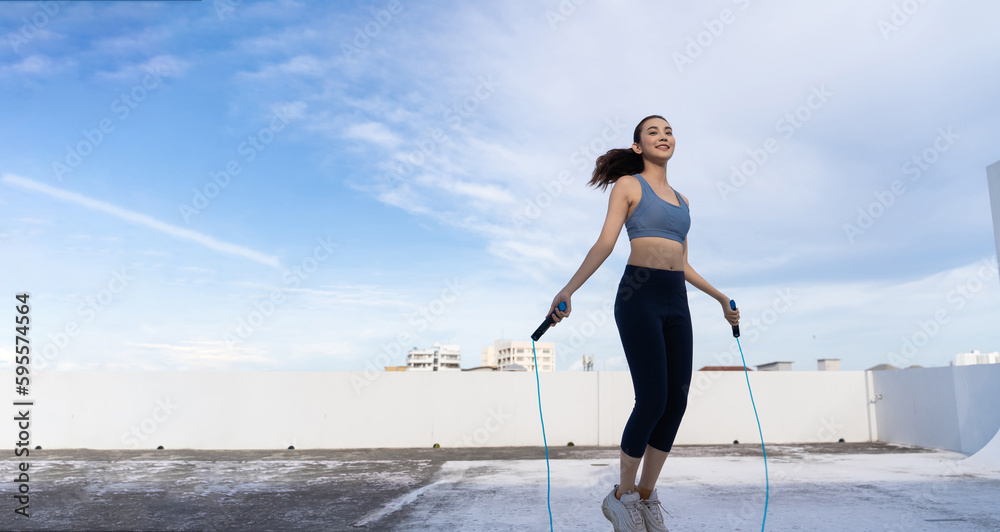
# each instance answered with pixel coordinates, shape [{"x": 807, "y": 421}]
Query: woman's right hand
[{"x": 554, "y": 309}]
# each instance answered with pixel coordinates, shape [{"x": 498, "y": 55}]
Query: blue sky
[{"x": 323, "y": 186}]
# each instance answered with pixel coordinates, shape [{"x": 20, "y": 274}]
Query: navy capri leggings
[{"x": 651, "y": 310}]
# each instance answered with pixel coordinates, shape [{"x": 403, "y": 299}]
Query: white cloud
[
  {"x": 35, "y": 66},
  {"x": 198, "y": 354},
  {"x": 165, "y": 65},
  {"x": 304, "y": 65},
  {"x": 554, "y": 96},
  {"x": 144, "y": 41},
  {"x": 372, "y": 132},
  {"x": 142, "y": 219}
]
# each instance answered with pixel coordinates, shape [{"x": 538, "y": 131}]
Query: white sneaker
[
  {"x": 652, "y": 513},
  {"x": 624, "y": 514}
]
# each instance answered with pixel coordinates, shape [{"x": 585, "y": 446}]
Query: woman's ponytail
[{"x": 619, "y": 161}]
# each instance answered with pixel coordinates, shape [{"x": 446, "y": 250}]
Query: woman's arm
[
  {"x": 699, "y": 282},
  {"x": 617, "y": 208},
  {"x": 595, "y": 257}
]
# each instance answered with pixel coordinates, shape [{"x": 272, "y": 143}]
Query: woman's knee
[
  {"x": 675, "y": 406},
  {"x": 651, "y": 408}
]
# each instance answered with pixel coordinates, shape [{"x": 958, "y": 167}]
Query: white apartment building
[
  {"x": 438, "y": 358},
  {"x": 506, "y": 352},
  {"x": 975, "y": 357}
]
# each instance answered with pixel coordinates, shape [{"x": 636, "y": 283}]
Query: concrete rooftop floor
[{"x": 813, "y": 487}]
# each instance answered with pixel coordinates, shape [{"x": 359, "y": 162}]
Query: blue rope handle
[{"x": 548, "y": 477}]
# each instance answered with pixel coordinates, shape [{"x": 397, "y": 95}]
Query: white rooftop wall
[
  {"x": 272, "y": 410},
  {"x": 993, "y": 181},
  {"x": 951, "y": 408},
  {"x": 948, "y": 408}
]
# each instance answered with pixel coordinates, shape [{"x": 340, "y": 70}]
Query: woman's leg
[
  {"x": 652, "y": 463},
  {"x": 629, "y": 468},
  {"x": 678, "y": 339},
  {"x": 641, "y": 329}
]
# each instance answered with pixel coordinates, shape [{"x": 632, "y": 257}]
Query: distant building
[
  {"x": 504, "y": 353},
  {"x": 437, "y": 358},
  {"x": 775, "y": 366},
  {"x": 488, "y": 356},
  {"x": 725, "y": 368},
  {"x": 481, "y": 368},
  {"x": 828, "y": 364},
  {"x": 881, "y": 367},
  {"x": 514, "y": 367},
  {"x": 975, "y": 357},
  {"x": 395, "y": 368}
]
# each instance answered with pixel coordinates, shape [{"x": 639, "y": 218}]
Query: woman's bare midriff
[{"x": 656, "y": 252}]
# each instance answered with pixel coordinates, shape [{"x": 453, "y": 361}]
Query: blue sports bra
[{"x": 653, "y": 216}]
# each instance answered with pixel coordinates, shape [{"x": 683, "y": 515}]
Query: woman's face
[{"x": 656, "y": 140}]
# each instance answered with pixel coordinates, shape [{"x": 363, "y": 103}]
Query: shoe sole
[{"x": 607, "y": 513}]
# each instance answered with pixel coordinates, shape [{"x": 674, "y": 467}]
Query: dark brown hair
[{"x": 619, "y": 161}]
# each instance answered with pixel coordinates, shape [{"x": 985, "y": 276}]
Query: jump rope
[{"x": 548, "y": 477}]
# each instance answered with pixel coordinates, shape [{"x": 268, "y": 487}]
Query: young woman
[{"x": 651, "y": 311}]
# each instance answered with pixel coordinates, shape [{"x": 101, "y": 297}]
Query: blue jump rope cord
[
  {"x": 548, "y": 476},
  {"x": 767, "y": 484}
]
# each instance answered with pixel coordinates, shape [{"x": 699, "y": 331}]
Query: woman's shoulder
[
  {"x": 628, "y": 181},
  {"x": 628, "y": 188}
]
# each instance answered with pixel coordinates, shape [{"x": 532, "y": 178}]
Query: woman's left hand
[{"x": 732, "y": 316}]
